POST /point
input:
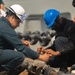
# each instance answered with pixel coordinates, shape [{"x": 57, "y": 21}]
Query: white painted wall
[{"x": 40, "y": 6}]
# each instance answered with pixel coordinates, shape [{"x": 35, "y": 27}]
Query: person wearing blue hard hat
[{"x": 63, "y": 48}]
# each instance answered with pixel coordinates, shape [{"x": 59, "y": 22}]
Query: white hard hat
[{"x": 18, "y": 10}]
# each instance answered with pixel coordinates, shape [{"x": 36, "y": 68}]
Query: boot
[{"x": 63, "y": 68}]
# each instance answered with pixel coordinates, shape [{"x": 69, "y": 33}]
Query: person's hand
[
  {"x": 49, "y": 51},
  {"x": 41, "y": 50},
  {"x": 26, "y": 43},
  {"x": 52, "y": 52},
  {"x": 45, "y": 57}
]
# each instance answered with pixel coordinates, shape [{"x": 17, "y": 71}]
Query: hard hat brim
[
  {"x": 7, "y": 8},
  {"x": 49, "y": 26}
]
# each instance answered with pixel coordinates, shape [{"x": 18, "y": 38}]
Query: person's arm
[
  {"x": 16, "y": 43},
  {"x": 69, "y": 47},
  {"x": 45, "y": 57},
  {"x": 26, "y": 42},
  {"x": 9, "y": 35},
  {"x": 51, "y": 47}
]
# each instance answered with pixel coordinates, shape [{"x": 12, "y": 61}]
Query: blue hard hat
[{"x": 50, "y": 16}]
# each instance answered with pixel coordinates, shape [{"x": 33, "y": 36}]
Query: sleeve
[
  {"x": 51, "y": 47},
  {"x": 12, "y": 38},
  {"x": 68, "y": 48}
]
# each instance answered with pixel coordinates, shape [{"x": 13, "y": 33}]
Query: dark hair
[
  {"x": 9, "y": 13},
  {"x": 73, "y": 3}
]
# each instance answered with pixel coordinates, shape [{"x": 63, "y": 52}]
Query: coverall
[{"x": 9, "y": 41}]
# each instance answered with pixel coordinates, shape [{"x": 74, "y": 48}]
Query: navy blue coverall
[{"x": 9, "y": 41}]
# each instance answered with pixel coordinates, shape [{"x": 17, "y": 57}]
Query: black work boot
[
  {"x": 63, "y": 71},
  {"x": 63, "y": 68}
]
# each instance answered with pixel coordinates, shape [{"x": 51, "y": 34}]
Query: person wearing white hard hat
[{"x": 9, "y": 40}]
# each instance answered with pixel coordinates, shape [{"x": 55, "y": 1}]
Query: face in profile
[{"x": 15, "y": 22}]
